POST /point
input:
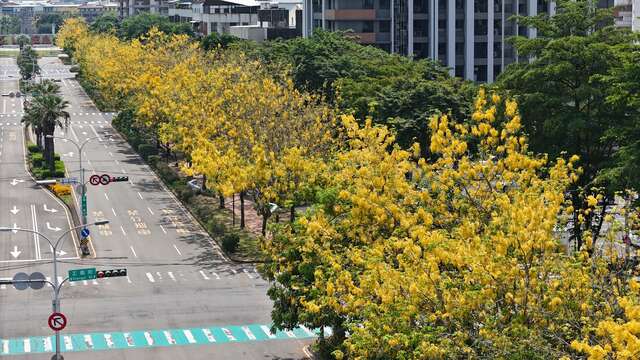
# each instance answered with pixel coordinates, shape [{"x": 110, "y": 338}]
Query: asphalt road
[{"x": 177, "y": 276}]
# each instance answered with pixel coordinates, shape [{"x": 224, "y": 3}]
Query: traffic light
[
  {"x": 111, "y": 273},
  {"x": 119, "y": 178}
]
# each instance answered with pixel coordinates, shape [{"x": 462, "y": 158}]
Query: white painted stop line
[
  {"x": 169, "y": 337},
  {"x": 67, "y": 343},
  {"x": 27, "y": 345},
  {"x": 267, "y": 331},
  {"x": 209, "y": 335},
  {"x": 248, "y": 333},
  {"x": 48, "y": 346},
  {"x": 88, "y": 341},
  {"x": 189, "y": 336},
  {"x": 147, "y": 336}
]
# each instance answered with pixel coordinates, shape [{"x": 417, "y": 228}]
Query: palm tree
[
  {"x": 32, "y": 119},
  {"x": 46, "y": 112}
]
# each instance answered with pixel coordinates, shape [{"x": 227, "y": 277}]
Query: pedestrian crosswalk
[
  {"x": 122, "y": 340},
  {"x": 159, "y": 278}
]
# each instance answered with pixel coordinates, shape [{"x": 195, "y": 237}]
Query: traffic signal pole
[
  {"x": 56, "y": 284},
  {"x": 83, "y": 188}
]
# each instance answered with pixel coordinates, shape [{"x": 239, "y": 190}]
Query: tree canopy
[{"x": 136, "y": 26}]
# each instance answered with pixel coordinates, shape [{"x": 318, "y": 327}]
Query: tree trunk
[
  {"x": 292, "y": 215},
  {"x": 204, "y": 182},
  {"x": 221, "y": 197},
  {"x": 48, "y": 155},
  {"x": 241, "y": 209},
  {"x": 265, "y": 217},
  {"x": 577, "y": 227}
]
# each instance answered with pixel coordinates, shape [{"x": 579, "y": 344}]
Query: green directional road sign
[
  {"x": 84, "y": 205},
  {"x": 82, "y": 274}
]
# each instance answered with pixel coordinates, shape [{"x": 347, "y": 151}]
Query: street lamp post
[
  {"x": 56, "y": 285},
  {"x": 83, "y": 196}
]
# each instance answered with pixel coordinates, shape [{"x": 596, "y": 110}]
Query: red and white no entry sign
[{"x": 57, "y": 321}]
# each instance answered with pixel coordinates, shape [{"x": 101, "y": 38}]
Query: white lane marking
[
  {"x": 130, "y": 181},
  {"x": 307, "y": 330},
  {"x": 133, "y": 251},
  {"x": 247, "y": 273},
  {"x": 106, "y": 196},
  {"x": 290, "y": 333},
  {"x": 163, "y": 230},
  {"x": 122, "y": 229},
  {"x": 67, "y": 343},
  {"x": 204, "y": 275},
  {"x": 109, "y": 340},
  {"x": 178, "y": 251},
  {"x": 111, "y": 154},
  {"x": 88, "y": 341},
  {"x": 128, "y": 280},
  {"x": 149, "y": 338},
  {"x": 27, "y": 345},
  {"x": 151, "y": 211},
  {"x": 140, "y": 196},
  {"x": 248, "y": 333},
  {"x": 216, "y": 275},
  {"x": 48, "y": 345},
  {"x": 35, "y": 234},
  {"x": 150, "y": 277},
  {"x": 189, "y": 336},
  {"x": 171, "y": 276},
  {"x": 129, "y": 339},
  {"x": 114, "y": 212},
  {"x": 5, "y": 346},
  {"x": 267, "y": 331},
  {"x": 169, "y": 337},
  {"x": 159, "y": 275},
  {"x": 95, "y": 132},
  {"x": 206, "y": 332},
  {"x": 117, "y": 162},
  {"x": 229, "y": 334}
]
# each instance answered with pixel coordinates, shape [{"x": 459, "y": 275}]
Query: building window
[
  {"x": 460, "y": 71},
  {"x": 420, "y": 6},
  {"x": 367, "y": 4},
  {"x": 497, "y": 69},
  {"x": 480, "y": 73},
  {"x": 460, "y": 24},
  {"x": 442, "y": 24},
  {"x": 385, "y": 26},
  {"x": 480, "y": 6},
  {"x": 480, "y": 27},
  {"x": 385, "y": 4},
  {"x": 420, "y": 28},
  {"x": 460, "y": 4},
  {"x": 367, "y": 26},
  {"x": 480, "y": 50}
]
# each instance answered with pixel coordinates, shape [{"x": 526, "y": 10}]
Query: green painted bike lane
[{"x": 101, "y": 341}]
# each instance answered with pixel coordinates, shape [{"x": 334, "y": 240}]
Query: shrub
[
  {"x": 37, "y": 159},
  {"x": 59, "y": 165},
  {"x": 33, "y": 148},
  {"x": 60, "y": 189},
  {"x": 41, "y": 173},
  {"x": 216, "y": 228},
  {"x": 146, "y": 149},
  {"x": 230, "y": 242},
  {"x": 56, "y": 157},
  {"x": 167, "y": 173},
  {"x": 184, "y": 193},
  {"x": 153, "y": 160}
]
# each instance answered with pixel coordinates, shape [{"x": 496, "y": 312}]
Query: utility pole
[
  {"x": 83, "y": 187},
  {"x": 56, "y": 284}
]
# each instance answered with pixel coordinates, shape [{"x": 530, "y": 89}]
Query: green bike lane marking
[{"x": 117, "y": 340}]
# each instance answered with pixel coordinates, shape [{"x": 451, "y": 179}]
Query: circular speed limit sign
[
  {"x": 105, "y": 179},
  {"x": 94, "y": 180}
]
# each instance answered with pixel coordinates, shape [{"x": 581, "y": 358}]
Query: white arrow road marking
[
  {"x": 189, "y": 336},
  {"x": 209, "y": 335},
  {"x": 15, "y": 210},
  {"x": 15, "y": 253},
  {"x": 52, "y": 210},
  {"x": 52, "y": 228},
  {"x": 267, "y": 331},
  {"x": 15, "y": 182},
  {"x": 69, "y": 154},
  {"x": 61, "y": 252}
]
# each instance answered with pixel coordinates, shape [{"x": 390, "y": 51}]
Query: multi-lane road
[{"x": 182, "y": 299}]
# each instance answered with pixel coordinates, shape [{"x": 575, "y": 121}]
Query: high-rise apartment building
[
  {"x": 468, "y": 36},
  {"x": 627, "y": 13}
]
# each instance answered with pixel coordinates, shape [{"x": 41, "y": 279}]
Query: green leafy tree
[
  {"x": 23, "y": 40},
  {"x": 215, "y": 40},
  {"x": 564, "y": 96},
  {"x": 44, "y": 114},
  {"x": 135, "y": 26},
  {"x": 28, "y": 63},
  {"x": 9, "y": 24},
  {"x": 106, "y": 23}
]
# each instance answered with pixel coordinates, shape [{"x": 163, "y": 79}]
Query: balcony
[{"x": 351, "y": 14}]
